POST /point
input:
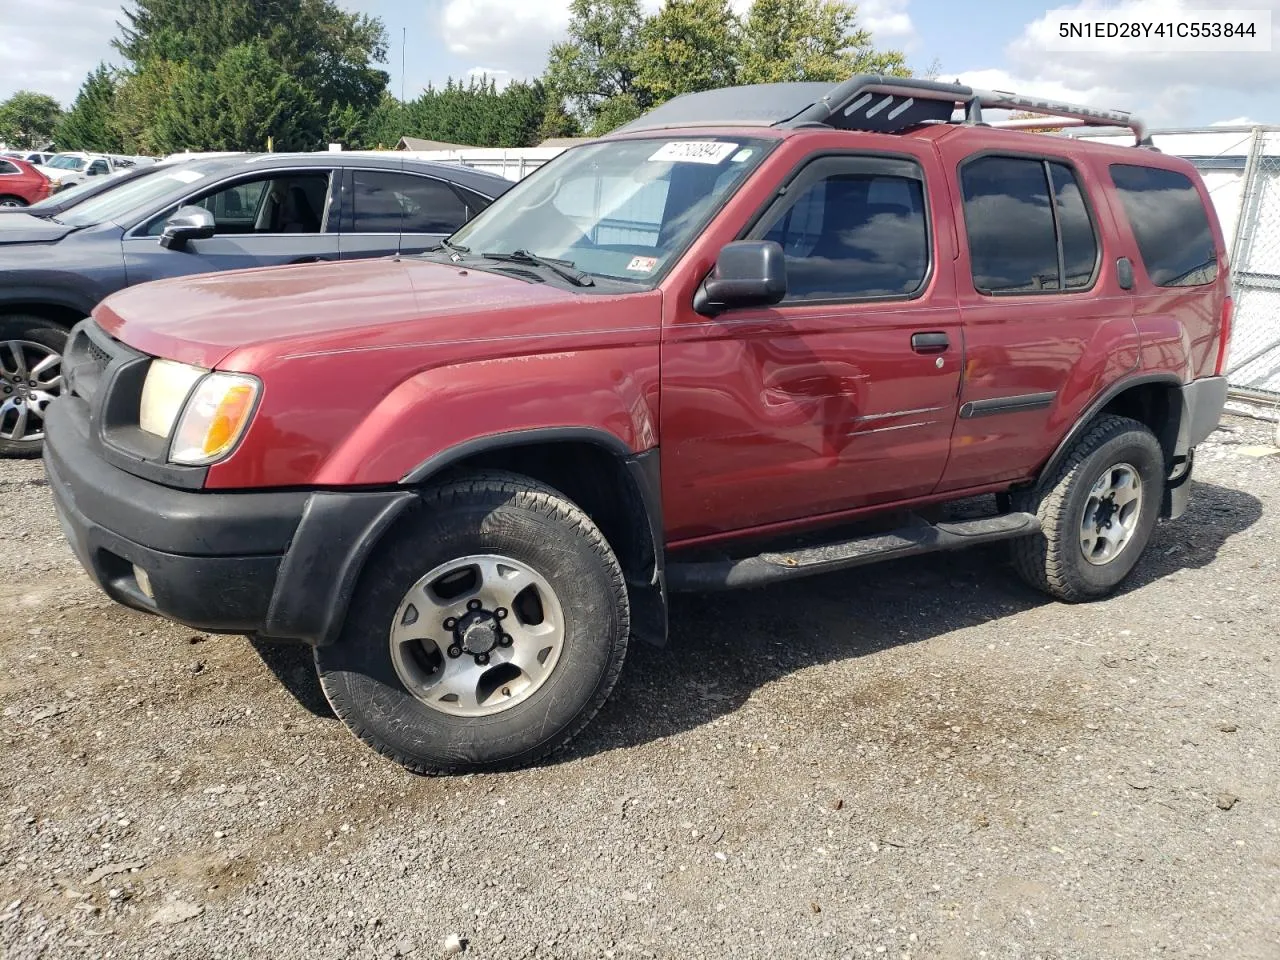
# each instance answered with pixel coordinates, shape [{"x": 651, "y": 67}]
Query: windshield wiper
[
  {"x": 454, "y": 248},
  {"x": 561, "y": 268}
]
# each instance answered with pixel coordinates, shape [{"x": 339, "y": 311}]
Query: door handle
[{"x": 930, "y": 342}]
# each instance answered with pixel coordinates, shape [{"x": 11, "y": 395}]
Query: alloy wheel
[{"x": 30, "y": 378}]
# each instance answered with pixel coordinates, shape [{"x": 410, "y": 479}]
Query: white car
[
  {"x": 68, "y": 169},
  {"x": 34, "y": 157}
]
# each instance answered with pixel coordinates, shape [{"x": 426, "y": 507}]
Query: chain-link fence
[{"x": 1253, "y": 364}]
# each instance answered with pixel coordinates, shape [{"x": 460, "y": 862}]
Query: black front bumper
[{"x": 281, "y": 565}]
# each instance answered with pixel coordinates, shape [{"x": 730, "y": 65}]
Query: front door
[
  {"x": 842, "y": 396},
  {"x": 261, "y": 221}
]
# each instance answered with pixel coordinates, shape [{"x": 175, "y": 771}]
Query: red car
[
  {"x": 21, "y": 184},
  {"x": 757, "y": 334}
]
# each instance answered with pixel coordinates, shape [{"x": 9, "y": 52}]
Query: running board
[{"x": 919, "y": 536}]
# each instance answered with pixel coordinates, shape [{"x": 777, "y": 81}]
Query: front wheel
[
  {"x": 1096, "y": 512},
  {"x": 486, "y": 632},
  {"x": 30, "y": 378}
]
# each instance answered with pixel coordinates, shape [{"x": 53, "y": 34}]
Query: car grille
[{"x": 88, "y": 354}]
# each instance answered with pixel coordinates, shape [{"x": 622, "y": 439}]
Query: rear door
[
  {"x": 398, "y": 211},
  {"x": 842, "y": 396},
  {"x": 1045, "y": 320},
  {"x": 265, "y": 220}
]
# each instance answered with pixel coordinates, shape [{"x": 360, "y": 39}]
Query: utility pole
[{"x": 404, "y": 36}]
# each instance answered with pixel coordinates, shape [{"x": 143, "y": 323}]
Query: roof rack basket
[{"x": 886, "y": 104}]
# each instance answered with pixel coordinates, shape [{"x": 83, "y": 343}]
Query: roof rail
[{"x": 872, "y": 102}]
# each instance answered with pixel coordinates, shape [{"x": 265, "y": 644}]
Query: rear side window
[
  {"x": 389, "y": 202},
  {"x": 1028, "y": 226},
  {"x": 1170, "y": 224},
  {"x": 7, "y": 168}
]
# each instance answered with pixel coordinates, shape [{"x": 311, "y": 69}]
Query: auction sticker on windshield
[
  {"x": 693, "y": 151},
  {"x": 642, "y": 264}
]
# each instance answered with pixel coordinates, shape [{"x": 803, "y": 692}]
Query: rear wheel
[
  {"x": 1097, "y": 512},
  {"x": 30, "y": 378},
  {"x": 8, "y": 200},
  {"x": 485, "y": 634}
]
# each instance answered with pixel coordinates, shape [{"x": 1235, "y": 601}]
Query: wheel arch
[
  {"x": 1151, "y": 399},
  {"x": 620, "y": 491},
  {"x": 64, "y": 309}
]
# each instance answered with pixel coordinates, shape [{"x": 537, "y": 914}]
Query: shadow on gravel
[
  {"x": 723, "y": 647},
  {"x": 296, "y": 671}
]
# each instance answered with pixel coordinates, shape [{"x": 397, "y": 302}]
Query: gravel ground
[{"x": 922, "y": 759}]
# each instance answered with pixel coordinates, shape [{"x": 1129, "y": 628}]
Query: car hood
[
  {"x": 25, "y": 228},
  {"x": 265, "y": 314}
]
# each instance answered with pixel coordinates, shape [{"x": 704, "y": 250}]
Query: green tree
[
  {"x": 687, "y": 46},
  {"x": 475, "y": 113},
  {"x": 28, "y": 119},
  {"x": 244, "y": 103},
  {"x": 786, "y": 40},
  {"x": 325, "y": 52},
  {"x": 88, "y": 124},
  {"x": 594, "y": 71},
  {"x": 139, "y": 97}
]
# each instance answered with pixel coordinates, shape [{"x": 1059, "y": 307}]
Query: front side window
[
  {"x": 279, "y": 203},
  {"x": 852, "y": 231},
  {"x": 1170, "y": 224},
  {"x": 389, "y": 202},
  {"x": 621, "y": 209},
  {"x": 1028, "y": 226}
]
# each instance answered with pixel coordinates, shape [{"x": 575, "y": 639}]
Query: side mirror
[
  {"x": 748, "y": 273},
  {"x": 187, "y": 223}
]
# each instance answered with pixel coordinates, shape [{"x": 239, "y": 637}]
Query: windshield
[
  {"x": 133, "y": 194},
  {"x": 620, "y": 209},
  {"x": 64, "y": 161}
]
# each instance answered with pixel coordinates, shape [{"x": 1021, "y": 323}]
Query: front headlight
[{"x": 204, "y": 413}]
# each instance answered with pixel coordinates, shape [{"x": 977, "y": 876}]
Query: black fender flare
[
  {"x": 1096, "y": 406},
  {"x": 646, "y": 580}
]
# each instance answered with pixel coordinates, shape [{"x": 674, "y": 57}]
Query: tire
[
  {"x": 21, "y": 405},
  {"x": 8, "y": 200},
  {"x": 1068, "y": 560},
  {"x": 367, "y": 677}
]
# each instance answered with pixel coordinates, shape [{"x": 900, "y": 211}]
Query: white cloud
[
  {"x": 887, "y": 20},
  {"x": 1168, "y": 88},
  {"x": 49, "y": 46},
  {"x": 513, "y": 33},
  {"x": 1235, "y": 122}
]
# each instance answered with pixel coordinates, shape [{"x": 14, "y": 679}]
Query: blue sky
[{"x": 50, "y": 45}]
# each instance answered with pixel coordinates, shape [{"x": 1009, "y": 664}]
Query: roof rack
[
  {"x": 885, "y": 104},
  {"x": 865, "y": 102}
]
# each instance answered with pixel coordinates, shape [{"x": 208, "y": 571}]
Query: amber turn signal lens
[{"x": 214, "y": 418}]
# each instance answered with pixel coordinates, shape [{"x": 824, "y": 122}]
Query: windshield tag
[
  {"x": 693, "y": 151},
  {"x": 642, "y": 264}
]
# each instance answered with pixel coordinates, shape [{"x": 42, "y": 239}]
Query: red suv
[
  {"x": 758, "y": 334},
  {"x": 21, "y": 184}
]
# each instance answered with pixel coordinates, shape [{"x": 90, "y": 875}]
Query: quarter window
[
  {"x": 1028, "y": 226},
  {"x": 1170, "y": 224},
  {"x": 388, "y": 202},
  {"x": 854, "y": 232}
]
